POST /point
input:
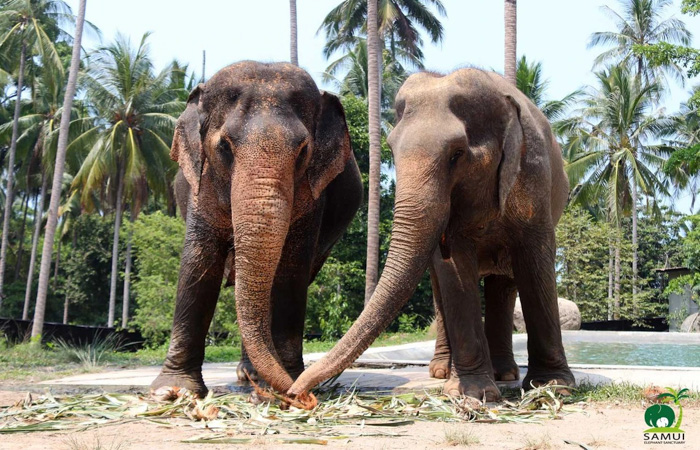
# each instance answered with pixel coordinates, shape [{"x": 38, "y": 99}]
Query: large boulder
[
  {"x": 569, "y": 315},
  {"x": 691, "y": 324}
]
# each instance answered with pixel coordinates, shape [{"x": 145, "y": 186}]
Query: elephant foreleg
[
  {"x": 440, "y": 364},
  {"x": 533, "y": 267},
  {"x": 201, "y": 271},
  {"x": 471, "y": 372},
  {"x": 500, "y": 293}
]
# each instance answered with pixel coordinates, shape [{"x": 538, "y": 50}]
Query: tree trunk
[
  {"x": 20, "y": 248},
  {"x": 611, "y": 269},
  {"x": 618, "y": 243},
  {"x": 38, "y": 212},
  {"x": 293, "y": 50},
  {"x": 115, "y": 250},
  {"x": 66, "y": 304},
  {"x": 375, "y": 162},
  {"x": 59, "y": 168},
  {"x": 127, "y": 280},
  {"x": 11, "y": 172},
  {"x": 511, "y": 39},
  {"x": 635, "y": 307}
]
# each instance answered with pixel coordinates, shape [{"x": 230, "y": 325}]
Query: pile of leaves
[{"x": 238, "y": 414}]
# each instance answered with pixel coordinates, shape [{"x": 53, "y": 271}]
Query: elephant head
[
  {"x": 457, "y": 148},
  {"x": 258, "y": 144}
]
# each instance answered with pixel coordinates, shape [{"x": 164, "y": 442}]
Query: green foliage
[
  {"x": 665, "y": 54},
  {"x": 157, "y": 245},
  {"x": 691, "y": 256},
  {"x": 691, "y": 7},
  {"x": 582, "y": 262},
  {"x": 86, "y": 269}
]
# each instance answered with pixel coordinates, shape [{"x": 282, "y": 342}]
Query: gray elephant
[
  {"x": 270, "y": 183},
  {"x": 480, "y": 187}
]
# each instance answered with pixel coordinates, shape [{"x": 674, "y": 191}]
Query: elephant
[
  {"x": 268, "y": 183},
  {"x": 480, "y": 185}
]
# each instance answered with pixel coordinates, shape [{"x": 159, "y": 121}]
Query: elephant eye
[
  {"x": 301, "y": 158},
  {"x": 224, "y": 150},
  {"x": 458, "y": 154}
]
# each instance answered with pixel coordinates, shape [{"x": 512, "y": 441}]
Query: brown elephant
[
  {"x": 271, "y": 184},
  {"x": 480, "y": 187}
]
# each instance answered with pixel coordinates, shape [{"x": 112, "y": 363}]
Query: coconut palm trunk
[
  {"x": 618, "y": 244},
  {"x": 59, "y": 168},
  {"x": 635, "y": 257},
  {"x": 11, "y": 171},
  {"x": 293, "y": 49},
  {"x": 373, "y": 49},
  {"x": 611, "y": 267},
  {"x": 127, "y": 279},
  {"x": 20, "y": 248},
  {"x": 57, "y": 264},
  {"x": 115, "y": 249},
  {"x": 38, "y": 212},
  {"x": 511, "y": 39}
]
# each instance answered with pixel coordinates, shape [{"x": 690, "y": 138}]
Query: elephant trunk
[
  {"x": 418, "y": 225},
  {"x": 261, "y": 214}
]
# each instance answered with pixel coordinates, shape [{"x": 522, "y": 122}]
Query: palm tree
[
  {"x": 37, "y": 142},
  {"x": 639, "y": 24},
  {"x": 683, "y": 129},
  {"x": 130, "y": 144},
  {"x": 30, "y": 26},
  {"x": 356, "y": 80},
  {"x": 511, "y": 38},
  {"x": 294, "y": 55},
  {"x": 373, "y": 98},
  {"x": 397, "y": 26},
  {"x": 530, "y": 80},
  {"x": 615, "y": 127},
  {"x": 59, "y": 166}
]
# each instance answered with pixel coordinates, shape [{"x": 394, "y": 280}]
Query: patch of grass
[
  {"x": 543, "y": 442},
  {"x": 384, "y": 340},
  {"x": 92, "y": 354},
  {"x": 627, "y": 393},
  {"x": 461, "y": 437},
  {"x": 95, "y": 444}
]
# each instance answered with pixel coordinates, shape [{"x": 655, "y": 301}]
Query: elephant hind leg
[{"x": 500, "y": 292}]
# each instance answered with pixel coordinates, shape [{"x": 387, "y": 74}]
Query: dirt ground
[{"x": 598, "y": 426}]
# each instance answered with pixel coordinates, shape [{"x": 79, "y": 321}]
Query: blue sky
[{"x": 554, "y": 32}]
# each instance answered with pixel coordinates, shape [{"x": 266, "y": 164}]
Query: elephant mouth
[{"x": 445, "y": 250}]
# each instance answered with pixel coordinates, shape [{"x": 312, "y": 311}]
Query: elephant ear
[
  {"x": 187, "y": 147},
  {"x": 512, "y": 151},
  {"x": 332, "y": 148}
]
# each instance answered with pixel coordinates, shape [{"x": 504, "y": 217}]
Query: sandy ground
[{"x": 598, "y": 426}]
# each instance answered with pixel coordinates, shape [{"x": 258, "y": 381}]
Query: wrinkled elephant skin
[
  {"x": 267, "y": 183},
  {"x": 480, "y": 188}
]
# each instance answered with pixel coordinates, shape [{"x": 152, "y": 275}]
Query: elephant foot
[
  {"x": 505, "y": 368},
  {"x": 537, "y": 377},
  {"x": 480, "y": 387},
  {"x": 167, "y": 385},
  {"x": 245, "y": 372},
  {"x": 440, "y": 367}
]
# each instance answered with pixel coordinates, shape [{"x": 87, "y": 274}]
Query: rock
[
  {"x": 691, "y": 324},
  {"x": 569, "y": 315}
]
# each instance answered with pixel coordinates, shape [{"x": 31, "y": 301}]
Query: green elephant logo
[{"x": 659, "y": 416}]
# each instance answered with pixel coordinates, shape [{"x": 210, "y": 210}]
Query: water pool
[
  {"x": 591, "y": 348},
  {"x": 623, "y": 348},
  {"x": 641, "y": 354}
]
